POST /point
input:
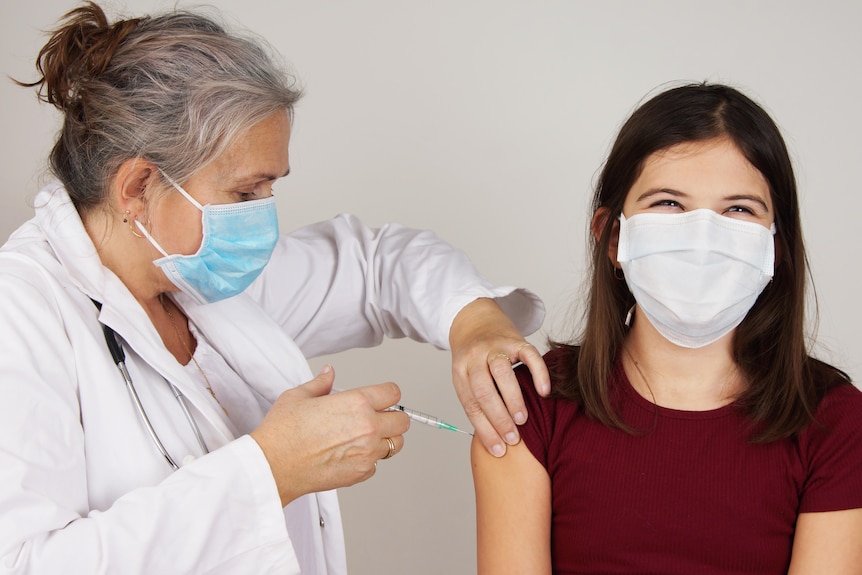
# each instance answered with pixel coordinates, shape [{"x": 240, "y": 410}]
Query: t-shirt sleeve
[
  {"x": 536, "y": 432},
  {"x": 832, "y": 447}
]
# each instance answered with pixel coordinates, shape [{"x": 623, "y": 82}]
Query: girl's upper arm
[
  {"x": 828, "y": 542},
  {"x": 513, "y": 512}
]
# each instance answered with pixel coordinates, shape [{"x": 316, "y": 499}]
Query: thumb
[{"x": 319, "y": 386}]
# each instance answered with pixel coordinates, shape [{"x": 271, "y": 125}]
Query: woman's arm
[
  {"x": 339, "y": 284},
  {"x": 485, "y": 344},
  {"x": 513, "y": 512},
  {"x": 828, "y": 542}
]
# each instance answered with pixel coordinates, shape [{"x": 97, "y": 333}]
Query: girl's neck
[{"x": 680, "y": 378}]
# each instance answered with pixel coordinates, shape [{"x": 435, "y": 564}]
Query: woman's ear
[
  {"x": 130, "y": 184},
  {"x": 600, "y": 221}
]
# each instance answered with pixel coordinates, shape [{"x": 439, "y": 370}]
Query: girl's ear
[{"x": 600, "y": 220}]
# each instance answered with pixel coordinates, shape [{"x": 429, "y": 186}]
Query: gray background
[{"x": 487, "y": 121}]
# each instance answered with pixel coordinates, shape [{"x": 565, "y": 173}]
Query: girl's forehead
[{"x": 693, "y": 162}]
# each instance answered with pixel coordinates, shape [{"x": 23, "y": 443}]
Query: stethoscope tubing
[
  {"x": 143, "y": 413},
  {"x": 119, "y": 357}
]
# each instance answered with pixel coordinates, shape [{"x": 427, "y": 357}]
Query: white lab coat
[{"x": 82, "y": 487}]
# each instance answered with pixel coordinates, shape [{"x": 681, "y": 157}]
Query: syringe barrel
[{"x": 419, "y": 416}]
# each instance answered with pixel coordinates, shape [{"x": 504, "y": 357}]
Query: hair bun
[{"x": 81, "y": 48}]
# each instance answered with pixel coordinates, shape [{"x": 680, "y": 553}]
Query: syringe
[
  {"x": 426, "y": 419},
  {"x": 420, "y": 417}
]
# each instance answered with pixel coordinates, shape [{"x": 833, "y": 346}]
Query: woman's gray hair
[{"x": 175, "y": 89}]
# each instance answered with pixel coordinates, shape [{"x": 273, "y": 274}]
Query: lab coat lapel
[
  {"x": 253, "y": 344},
  {"x": 260, "y": 351},
  {"x": 140, "y": 335},
  {"x": 62, "y": 226}
]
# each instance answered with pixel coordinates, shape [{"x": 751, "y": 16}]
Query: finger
[
  {"x": 524, "y": 351},
  {"x": 530, "y": 356},
  {"x": 319, "y": 386},
  {"x": 381, "y": 395},
  {"x": 492, "y": 404},
  {"x": 485, "y": 432},
  {"x": 391, "y": 446},
  {"x": 482, "y": 429},
  {"x": 510, "y": 390},
  {"x": 392, "y": 423}
]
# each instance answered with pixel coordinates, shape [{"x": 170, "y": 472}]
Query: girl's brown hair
[{"x": 785, "y": 384}]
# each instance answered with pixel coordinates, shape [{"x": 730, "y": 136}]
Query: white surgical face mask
[{"x": 695, "y": 275}]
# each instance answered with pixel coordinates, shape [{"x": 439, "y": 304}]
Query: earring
[
  {"x": 618, "y": 273},
  {"x": 131, "y": 223}
]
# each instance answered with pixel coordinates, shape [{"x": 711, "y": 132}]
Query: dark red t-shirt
[{"x": 691, "y": 494}]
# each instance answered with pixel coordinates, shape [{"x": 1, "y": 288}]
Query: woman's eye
[
  {"x": 247, "y": 196},
  {"x": 258, "y": 192}
]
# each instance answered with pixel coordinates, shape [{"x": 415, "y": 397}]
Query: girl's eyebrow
[
  {"x": 678, "y": 194},
  {"x": 655, "y": 191}
]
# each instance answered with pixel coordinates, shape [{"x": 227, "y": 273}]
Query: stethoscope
[{"x": 119, "y": 356}]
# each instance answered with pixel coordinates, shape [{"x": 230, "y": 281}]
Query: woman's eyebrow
[{"x": 257, "y": 177}]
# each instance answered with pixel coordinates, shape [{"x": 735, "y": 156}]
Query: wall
[{"x": 487, "y": 121}]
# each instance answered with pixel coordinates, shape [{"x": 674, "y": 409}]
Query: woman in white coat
[{"x": 206, "y": 452}]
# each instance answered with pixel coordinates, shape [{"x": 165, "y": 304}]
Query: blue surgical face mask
[{"x": 238, "y": 240}]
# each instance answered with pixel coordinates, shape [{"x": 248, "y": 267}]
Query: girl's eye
[
  {"x": 740, "y": 210},
  {"x": 669, "y": 203}
]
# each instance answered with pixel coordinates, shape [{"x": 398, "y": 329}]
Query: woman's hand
[
  {"x": 314, "y": 441},
  {"x": 485, "y": 344}
]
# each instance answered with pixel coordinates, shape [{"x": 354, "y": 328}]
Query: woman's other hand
[
  {"x": 315, "y": 441},
  {"x": 485, "y": 344}
]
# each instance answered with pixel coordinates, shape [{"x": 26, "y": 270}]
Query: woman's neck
[
  {"x": 677, "y": 377},
  {"x": 130, "y": 258}
]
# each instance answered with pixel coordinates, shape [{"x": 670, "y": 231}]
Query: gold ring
[
  {"x": 503, "y": 355},
  {"x": 391, "y": 448},
  {"x": 522, "y": 346}
]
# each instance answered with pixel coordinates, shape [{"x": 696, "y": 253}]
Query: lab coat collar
[
  {"x": 256, "y": 347},
  {"x": 251, "y": 342},
  {"x": 61, "y": 226}
]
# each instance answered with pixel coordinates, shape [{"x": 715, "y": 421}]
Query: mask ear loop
[
  {"x": 144, "y": 231},
  {"x": 621, "y": 276},
  {"x": 180, "y": 189},
  {"x": 629, "y": 315},
  {"x": 150, "y": 238}
]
